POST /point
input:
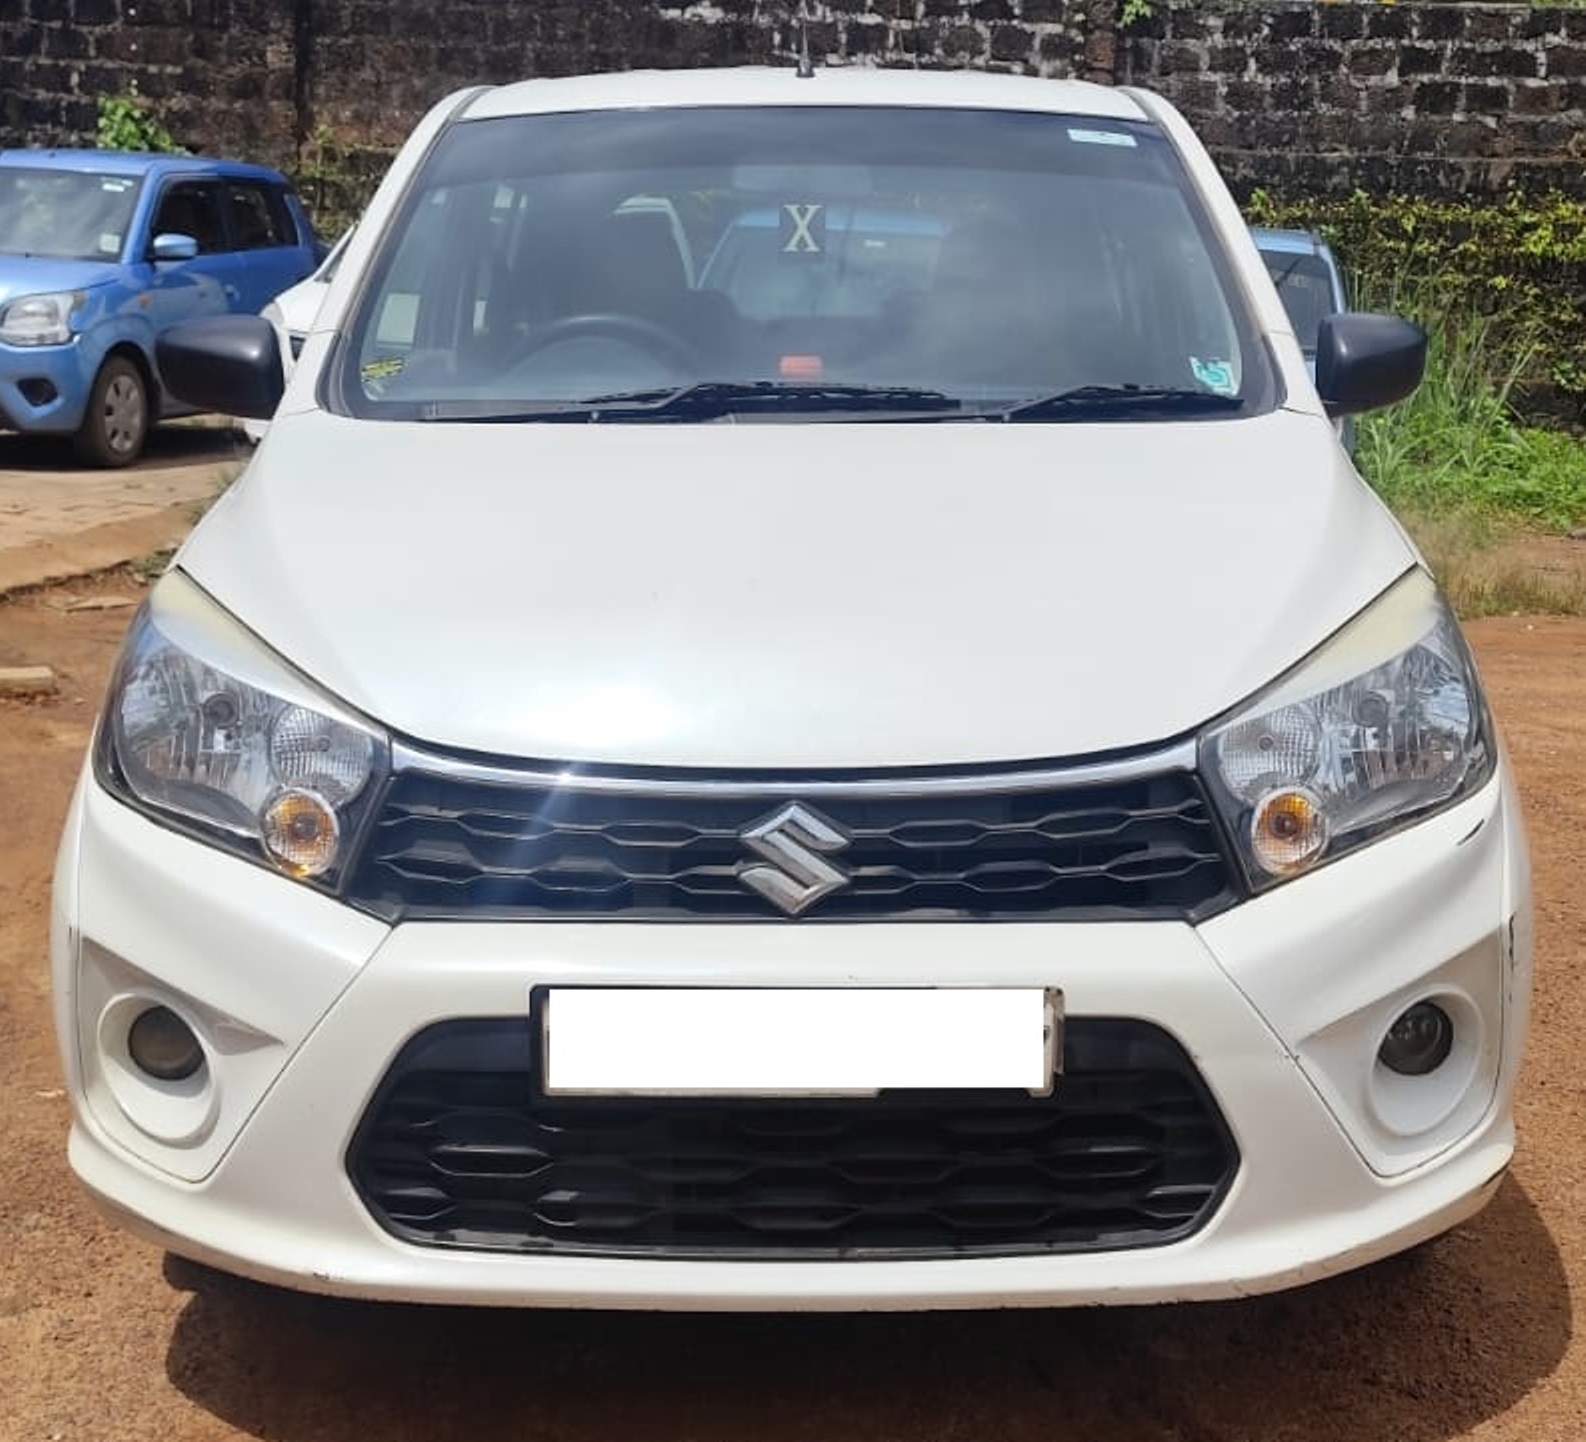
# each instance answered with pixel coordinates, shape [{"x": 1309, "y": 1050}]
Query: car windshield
[
  {"x": 870, "y": 260},
  {"x": 65, "y": 214},
  {"x": 1305, "y": 285}
]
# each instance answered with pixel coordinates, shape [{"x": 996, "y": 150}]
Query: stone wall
[
  {"x": 260, "y": 77},
  {"x": 396, "y": 64},
  {"x": 1298, "y": 96},
  {"x": 220, "y": 73},
  {"x": 1418, "y": 98}
]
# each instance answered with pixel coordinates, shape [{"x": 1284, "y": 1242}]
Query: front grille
[
  {"x": 447, "y": 846},
  {"x": 459, "y": 1149}
]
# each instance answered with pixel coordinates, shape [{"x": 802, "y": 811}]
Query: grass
[
  {"x": 148, "y": 569},
  {"x": 1487, "y": 497},
  {"x": 1493, "y": 568}
]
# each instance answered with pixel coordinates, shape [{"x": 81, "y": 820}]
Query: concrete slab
[{"x": 59, "y": 520}]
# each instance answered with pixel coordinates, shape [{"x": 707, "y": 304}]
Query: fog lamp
[
  {"x": 300, "y": 833},
  {"x": 1419, "y": 1041},
  {"x": 1288, "y": 830},
  {"x": 161, "y": 1044}
]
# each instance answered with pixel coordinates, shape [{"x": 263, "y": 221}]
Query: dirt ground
[
  {"x": 58, "y": 523},
  {"x": 103, "y": 1339}
]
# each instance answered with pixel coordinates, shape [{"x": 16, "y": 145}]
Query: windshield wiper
[
  {"x": 713, "y": 400},
  {"x": 1093, "y": 402},
  {"x": 705, "y": 400}
]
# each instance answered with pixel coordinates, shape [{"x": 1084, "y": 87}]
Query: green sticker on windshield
[{"x": 1215, "y": 375}]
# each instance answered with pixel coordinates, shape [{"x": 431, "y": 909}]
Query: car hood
[
  {"x": 780, "y": 596},
  {"x": 36, "y": 275}
]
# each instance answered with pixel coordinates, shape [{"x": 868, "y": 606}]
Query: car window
[
  {"x": 991, "y": 255},
  {"x": 193, "y": 208},
  {"x": 259, "y": 216},
  {"x": 1305, "y": 286},
  {"x": 849, "y": 260},
  {"x": 65, "y": 214}
]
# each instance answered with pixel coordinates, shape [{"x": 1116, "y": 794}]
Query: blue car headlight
[{"x": 40, "y": 319}]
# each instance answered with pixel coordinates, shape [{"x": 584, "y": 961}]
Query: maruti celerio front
[{"x": 906, "y": 771}]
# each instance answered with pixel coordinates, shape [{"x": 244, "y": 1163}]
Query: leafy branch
[{"x": 127, "y": 123}]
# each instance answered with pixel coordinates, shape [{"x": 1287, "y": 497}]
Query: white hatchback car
[
  {"x": 925, "y": 781},
  {"x": 292, "y": 314}
]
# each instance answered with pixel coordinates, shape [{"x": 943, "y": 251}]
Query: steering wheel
[{"x": 655, "y": 340}]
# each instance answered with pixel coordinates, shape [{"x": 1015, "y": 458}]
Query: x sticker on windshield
[{"x": 803, "y": 229}]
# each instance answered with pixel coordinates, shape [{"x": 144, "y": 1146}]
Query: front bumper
[
  {"x": 1281, "y": 1002},
  {"x": 44, "y": 389}
]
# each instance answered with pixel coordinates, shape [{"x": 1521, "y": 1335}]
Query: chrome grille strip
[
  {"x": 406, "y": 756},
  {"x": 454, "y": 839}
]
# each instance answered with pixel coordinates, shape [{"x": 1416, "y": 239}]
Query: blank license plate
[{"x": 816, "y": 1041}]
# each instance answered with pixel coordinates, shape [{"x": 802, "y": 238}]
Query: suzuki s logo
[{"x": 795, "y": 842}]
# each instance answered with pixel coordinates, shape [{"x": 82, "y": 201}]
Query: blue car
[
  {"x": 1310, "y": 284},
  {"x": 1308, "y": 278},
  {"x": 102, "y": 251}
]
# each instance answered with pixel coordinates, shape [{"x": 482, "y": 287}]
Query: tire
[{"x": 117, "y": 420}]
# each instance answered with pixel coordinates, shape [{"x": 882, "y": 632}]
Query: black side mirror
[
  {"x": 225, "y": 363},
  {"x": 1364, "y": 361}
]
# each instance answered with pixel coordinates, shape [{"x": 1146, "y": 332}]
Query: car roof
[
  {"x": 765, "y": 85},
  {"x": 134, "y": 162},
  {"x": 1288, "y": 242}
]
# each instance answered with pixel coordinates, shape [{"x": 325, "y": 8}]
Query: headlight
[
  {"x": 207, "y": 730},
  {"x": 1382, "y": 725},
  {"x": 39, "y": 319}
]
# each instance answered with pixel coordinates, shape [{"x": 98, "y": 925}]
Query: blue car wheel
[{"x": 117, "y": 419}]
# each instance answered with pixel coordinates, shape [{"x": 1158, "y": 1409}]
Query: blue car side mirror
[{"x": 173, "y": 247}]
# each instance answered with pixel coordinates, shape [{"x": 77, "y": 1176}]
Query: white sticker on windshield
[
  {"x": 1102, "y": 137},
  {"x": 113, "y": 185},
  {"x": 803, "y": 228},
  {"x": 109, "y": 244}
]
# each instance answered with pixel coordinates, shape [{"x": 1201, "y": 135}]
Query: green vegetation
[
  {"x": 1483, "y": 495},
  {"x": 328, "y": 181},
  {"x": 1519, "y": 262},
  {"x": 1137, "y": 12},
  {"x": 1457, "y": 445},
  {"x": 336, "y": 176},
  {"x": 1488, "y": 457},
  {"x": 127, "y": 123}
]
